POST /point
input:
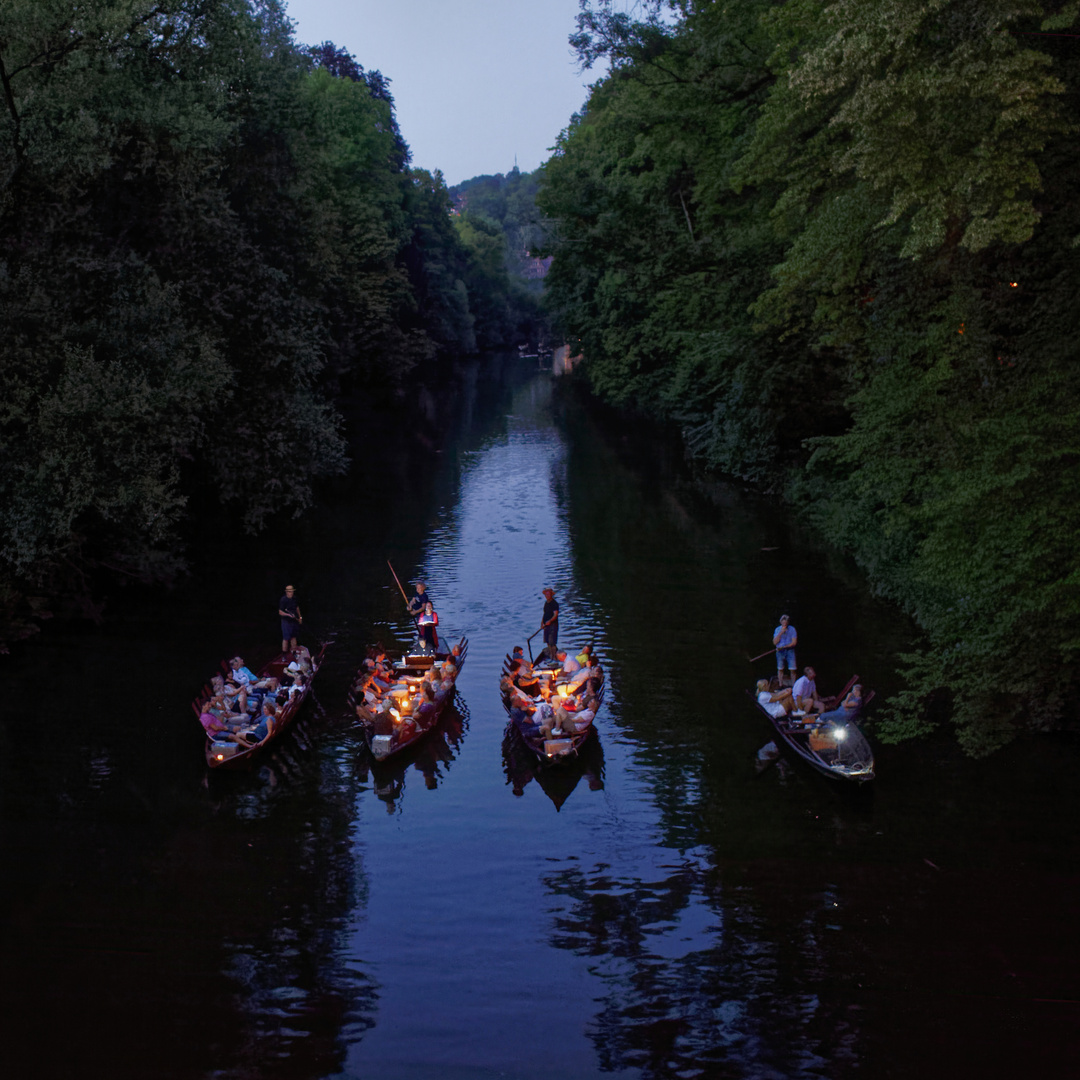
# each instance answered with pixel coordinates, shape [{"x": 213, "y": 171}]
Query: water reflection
[
  {"x": 522, "y": 766},
  {"x": 663, "y": 912},
  {"x": 700, "y": 981}
]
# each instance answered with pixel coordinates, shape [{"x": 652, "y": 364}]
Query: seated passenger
[
  {"x": 245, "y": 676},
  {"x": 425, "y": 713},
  {"x": 264, "y": 728},
  {"x": 569, "y": 664},
  {"x": 805, "y": 694},
  {"x": 579, "y": 679},
  {"x": 238, "y": 693},
  {"x": 854, "y": 698},
  {"x": 775, "y": 704},
  {"x": 579, "y": 722},
  {"x": 384, "y": 721},
  {"x": 212, "y": 723}
]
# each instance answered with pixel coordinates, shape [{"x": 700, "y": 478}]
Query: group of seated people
[
  {"x": 243, "y": 708},
  {"x": 803, "y": 699},
  {"x": 553, "y": 699},
  {"x": 400, "y": 706}
]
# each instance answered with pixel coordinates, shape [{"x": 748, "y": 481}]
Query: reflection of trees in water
[
  {"x": 700, "y": 986},
  {"x": 431, "y": 757},
  {"x": 168, "y": 931},
  {"x": 283, "y": 886}
]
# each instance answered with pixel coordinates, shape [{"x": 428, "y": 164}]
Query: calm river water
[{"x": 660, "y": 911}]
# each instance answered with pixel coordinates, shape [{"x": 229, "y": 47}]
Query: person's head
[
  {"x": 784, "y": 620},
  {"x": 514, "y": 667},
  {"x": 420, "y": 587},
  {"x": 268, "y": 709},
  {"x": 762, "y": 685},
  {"x": 519, "y": 652},
  {"x": 289, "y": 590},
  {"x": 548, "y": 593},
  {"x": 236, "y": 662},
  {"x": 429, "y": 607},
  {"x": 560, "y": 656},
  {"x": 456, "y": 651},
  {"x": 857, "y": 690},
  {"x": 428, "y": 691},
  {"x": 809, "y": 672}
]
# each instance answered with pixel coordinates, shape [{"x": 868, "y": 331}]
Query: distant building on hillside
[{"x": 532, "y": 268}]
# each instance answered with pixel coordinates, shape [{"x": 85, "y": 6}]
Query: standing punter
[
  {"x": 549, "y": 622},
  {"x": 785, "y": 638},
  {"x": 289, "y": 610}
]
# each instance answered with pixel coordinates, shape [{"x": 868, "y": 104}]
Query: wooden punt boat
[
  {"x": 232, "y": 755},
  {"x": 409, "y": 672},
  {"x": 560, "y": 748},
  {"x": 830, "y": 743}
]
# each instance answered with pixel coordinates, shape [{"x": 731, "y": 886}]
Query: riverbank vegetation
[
  {"x": 836, "y": 241},
  {"x": 208, "y": 232}
]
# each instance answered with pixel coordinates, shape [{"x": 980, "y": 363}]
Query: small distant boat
[
  {"x": 233, "y": 755},
  {"x": 560, "y": 746},
  {"x": 830, "y": 742},
  {"x": 408, "y": 731}
]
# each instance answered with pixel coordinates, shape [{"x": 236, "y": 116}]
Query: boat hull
[{"x": 832, "y": 744}]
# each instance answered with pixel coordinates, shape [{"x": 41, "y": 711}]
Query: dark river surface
[{"x": 660, "y": 910}]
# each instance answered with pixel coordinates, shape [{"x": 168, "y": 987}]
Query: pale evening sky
[{"x": 474, "y": 81}]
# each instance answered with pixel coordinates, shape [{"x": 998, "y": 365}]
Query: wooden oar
[
  {"x": 403, "y": 596},
  {"x": 529, "y": 646},
  {"x": 762, "y": 656}
]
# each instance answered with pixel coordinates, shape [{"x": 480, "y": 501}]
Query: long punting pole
[{"x": 403, "y": 596}]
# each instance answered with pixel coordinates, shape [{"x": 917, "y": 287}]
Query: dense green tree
[
  {"x": 869, "y": 303},
  {"x": 204, "y": 228}
]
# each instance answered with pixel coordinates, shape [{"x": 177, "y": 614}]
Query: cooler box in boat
[
  {"x": 380, "y": 745},
  {"x": 556, "y": 747},
  {"x": 822, "y": 740},
  {"x": 222, "y": 751}
]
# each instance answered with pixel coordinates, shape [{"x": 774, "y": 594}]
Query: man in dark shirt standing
[
  {"x": 417, "y": 602},
  {"x": 549, "y": 622},
  {"x": 289, "y": 610}
]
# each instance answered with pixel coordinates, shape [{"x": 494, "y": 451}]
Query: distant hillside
[{"x": 508, "y": 201}]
